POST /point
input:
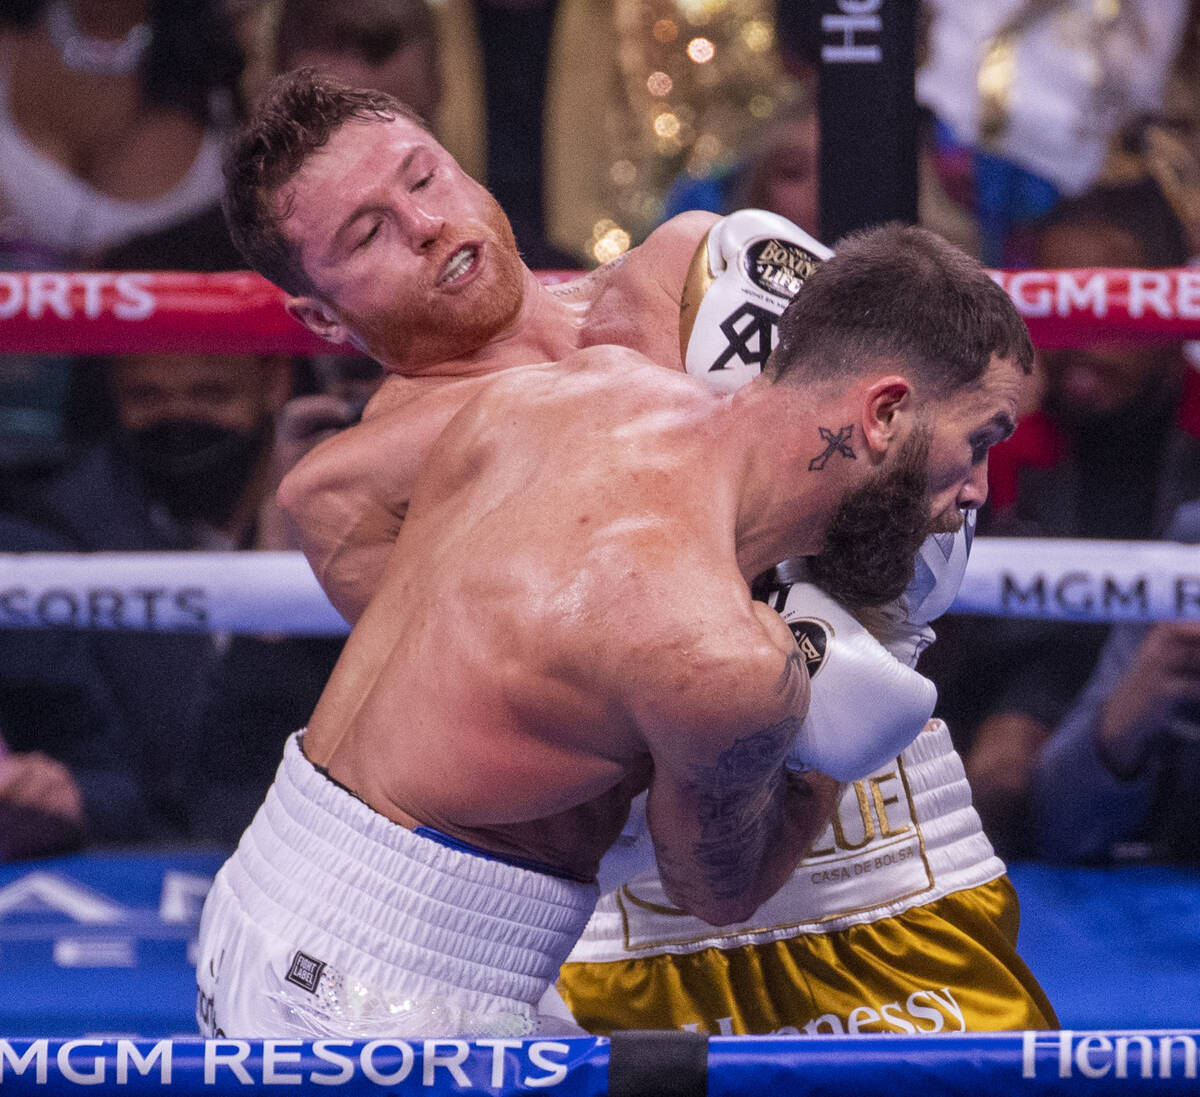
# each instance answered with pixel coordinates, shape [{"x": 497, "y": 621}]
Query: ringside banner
[
  {"x": 1077, "y": 580},
  {"x": 114, "y": 312},
  {"x": 237, "y": 592},
  {"x": 1009, "y": 1064},
  {"x": 252, "y": 592}
]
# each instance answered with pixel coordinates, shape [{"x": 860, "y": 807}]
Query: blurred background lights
[
  {"x": 761, "y": 106},
  {"x": 624, "y": 173},
  {"x": 659, "y": 83},
  {"x": 698, "y": 79},
  {"x": 758, "y": 35},
  {"x": 667, "y": 124},
  {"x": 666, "y": 31},
  {"x": 611, "y": 242}
]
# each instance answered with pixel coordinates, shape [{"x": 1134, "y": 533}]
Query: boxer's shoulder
[{"x": 635, "y": 298}]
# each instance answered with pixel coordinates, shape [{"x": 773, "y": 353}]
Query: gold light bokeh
[{"x": 699, "y": 77}]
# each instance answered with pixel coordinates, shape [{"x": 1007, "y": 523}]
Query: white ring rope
[{"x": 276, "y": 592}]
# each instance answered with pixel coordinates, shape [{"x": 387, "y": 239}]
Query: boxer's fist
[
  {"x": 865, "y": 705},
  {"x": 747, "y": 268}
]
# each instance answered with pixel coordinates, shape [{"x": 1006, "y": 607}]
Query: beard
[
  {"x": 429, "y": 328},
  {"x": 872, "y": 542}
]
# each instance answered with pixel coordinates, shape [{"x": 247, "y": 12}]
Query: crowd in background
[{"x": 1060, "y": 135}]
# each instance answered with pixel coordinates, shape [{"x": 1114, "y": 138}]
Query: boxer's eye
[
  {"x": 979, "y": 449},
  {"x": 423, "y": 182},
  {"x": 371, "y": 233}
]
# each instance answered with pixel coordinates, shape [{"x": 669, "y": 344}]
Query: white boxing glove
[
  {"x": 903, "y": 626},
  {"x": 745, "y": 271},
  {"x": 865, "y": 705}
]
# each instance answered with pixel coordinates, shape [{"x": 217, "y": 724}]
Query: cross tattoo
[{"x": 834, "y": 443}]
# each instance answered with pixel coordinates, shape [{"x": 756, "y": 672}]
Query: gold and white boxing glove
[{"x": 745, "y": 271}]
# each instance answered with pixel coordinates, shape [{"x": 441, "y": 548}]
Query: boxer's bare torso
[
  {"x": 564, "y": 607},
  {"x": 349, "y": 496}
]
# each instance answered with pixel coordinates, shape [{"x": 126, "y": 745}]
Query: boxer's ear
[
  {"x": 888, "y": 406},
  {"x": 318, "y": 317}
]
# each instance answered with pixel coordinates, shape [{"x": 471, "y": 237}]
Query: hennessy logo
[
  {"x": 834, "y": 443},
  {"x": 750, "y": 334}
]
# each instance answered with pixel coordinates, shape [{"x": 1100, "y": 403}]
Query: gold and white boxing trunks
[
  {"x": 901, "y": 920},
  {"x": 331, "y": 920}
]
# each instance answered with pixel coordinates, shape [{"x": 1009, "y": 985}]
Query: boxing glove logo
[
  {"x": 778, "y": 266},
  {"x": 812, "y": 638}
]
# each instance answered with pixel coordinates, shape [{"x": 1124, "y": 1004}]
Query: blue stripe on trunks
[{"x": 442, "y": 839}]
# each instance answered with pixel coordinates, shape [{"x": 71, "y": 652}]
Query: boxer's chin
[{"x": 949, "y": 521}]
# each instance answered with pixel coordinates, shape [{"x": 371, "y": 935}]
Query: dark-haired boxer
[{"x": 544, "y": 323}]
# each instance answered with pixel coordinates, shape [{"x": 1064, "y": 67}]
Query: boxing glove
[
  {"x": 747, "y": 268},
  {"x": 903, "y": 626},
  {"x": 865, "y": 705}
]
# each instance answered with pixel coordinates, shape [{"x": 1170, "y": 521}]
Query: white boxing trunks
[{"x": 331, "y": 920}]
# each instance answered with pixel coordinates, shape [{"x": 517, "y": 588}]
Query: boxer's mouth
[{"x": 460, "y": 266}]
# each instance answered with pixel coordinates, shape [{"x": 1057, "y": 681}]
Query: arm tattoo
[
  {"x": 736, "y": 809},
  {"x": 838, "y": 443}
]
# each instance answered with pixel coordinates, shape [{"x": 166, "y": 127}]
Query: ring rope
[
  {"x": 995, "y": 1064},
  {"x": 116, "y": 312},
  {"x": 276, "y": 592}
]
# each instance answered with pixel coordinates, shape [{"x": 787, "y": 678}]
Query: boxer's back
[{"x": 490, "y": 689}]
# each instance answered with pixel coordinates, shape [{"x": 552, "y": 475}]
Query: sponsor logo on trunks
[
  {"x": 871, "y": 855},
  {"x": 779, "y": 266},
  {"x": 923, "y": 1012},
  {"x": 305, "y": 972},
  {"x": 1068, "y": 1054},
  {"x": 206, "y": 1014}
]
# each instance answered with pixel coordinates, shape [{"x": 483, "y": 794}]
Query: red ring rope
[{"x": 112, "y": 312}]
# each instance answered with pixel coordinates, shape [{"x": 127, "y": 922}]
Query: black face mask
[{"x": 195, "y": 470}]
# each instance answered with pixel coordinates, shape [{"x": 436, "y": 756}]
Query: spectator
[
  {"x": 777, "y": 172},
  {"x": 1111, "y": 454},
  {"x": 112, "y": 114},
  {"x": 390, "y": 45},
  {"x": 111, "y": 121},
  {"x": 184, "y": 469},
  {"x": 1119, "y": 774},
  {"x": 264, "y": 688},
  {"x": 1033, "y": 95}
]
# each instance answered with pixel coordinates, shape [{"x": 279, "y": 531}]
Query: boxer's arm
[
  {"x": 343, "y": 502},
  {"x": 729, "y": 822},
  {"x": 347, "y": 497}
]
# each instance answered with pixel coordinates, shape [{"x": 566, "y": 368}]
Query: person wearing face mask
[
  {"x": 102, "y": 727},
  {"x": 195, "y": 431}
]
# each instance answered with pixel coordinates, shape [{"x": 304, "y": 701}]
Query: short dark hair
[
  {"x": 298, "y": 114},
  {"x": 899, "y": 292},
  {"x": 1139, "y": 208}
]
